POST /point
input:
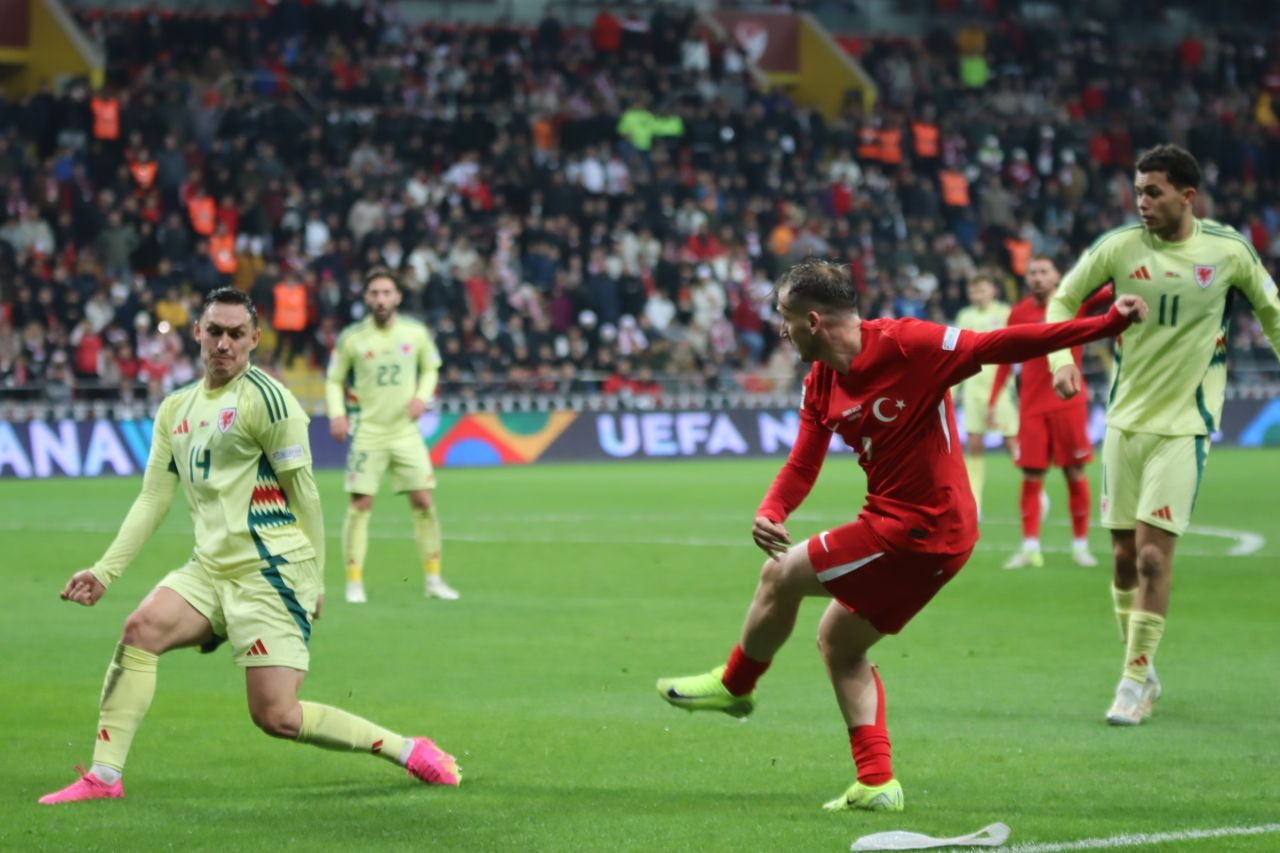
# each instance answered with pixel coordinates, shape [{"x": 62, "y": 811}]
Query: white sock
[
  {"x": 1080, "y": 544},
  {"x": 1031, "y": 544},
  {"x": 406, "y": 751},
  {"x": 106, "y": 775}
]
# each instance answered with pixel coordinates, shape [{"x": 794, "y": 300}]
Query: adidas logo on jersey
[
  {"x": 182, "y": 428},
  {"x": 1163, "y": 512},
  {"x": 1141, "y": 274},
  {"x": 256, "y": 650}
]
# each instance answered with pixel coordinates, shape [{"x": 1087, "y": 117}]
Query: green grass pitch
[{"x": 581, "y": 585}]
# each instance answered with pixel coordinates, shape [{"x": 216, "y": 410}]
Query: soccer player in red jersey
[
  {"x": 881, "y": 385},
  {"x": 1051, "y": 431}
]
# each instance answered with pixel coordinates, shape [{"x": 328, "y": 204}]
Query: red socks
[
  {"x": 1031, "y": 507},
  {"x": 742, "y": 673},
  {"x": 1079, "y": 500},
  {"x": 870, "y": 744}
]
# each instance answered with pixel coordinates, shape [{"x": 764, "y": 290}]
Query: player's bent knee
[
  {"x": 362, "y": 503},
  {"x": 143, "y": 630},
  {"x": 277, "y": 720}
]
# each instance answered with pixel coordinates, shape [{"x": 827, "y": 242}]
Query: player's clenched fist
[
  {"x": 83, "y": 588},
  {"x": 1131, "y": 306},
  {"x": 770, "y": 537}
]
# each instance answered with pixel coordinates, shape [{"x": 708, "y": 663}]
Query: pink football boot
[
  {"x": 431, "y": 764},
  {"x": 88, "y": 787}
]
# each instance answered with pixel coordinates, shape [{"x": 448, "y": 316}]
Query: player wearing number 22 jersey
[
  {"x": 882, "y": 386},
  {"x": 392, "y": 365}
]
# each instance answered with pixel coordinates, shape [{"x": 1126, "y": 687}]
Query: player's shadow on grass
[{"x": 348, "y": 790}]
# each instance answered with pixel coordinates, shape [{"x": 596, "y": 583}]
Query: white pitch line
[
  {"x": 1145, "y": 838},
  {"x": 1246, "y": 542}
]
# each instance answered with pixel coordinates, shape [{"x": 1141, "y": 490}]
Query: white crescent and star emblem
[{"x": 875, "y": 409}]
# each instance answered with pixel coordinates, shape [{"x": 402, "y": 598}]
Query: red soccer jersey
[
  {"x": 1036, "y": 395},
  {"x": 892, "y": 406},
  {"x": 894, "y": 409}
]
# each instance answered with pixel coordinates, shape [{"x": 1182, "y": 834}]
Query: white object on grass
[{"x": 992, "y": 835}]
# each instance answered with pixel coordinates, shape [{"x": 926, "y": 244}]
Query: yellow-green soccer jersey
[
  {"x": 1170, "y": 376},
  {"x": 226, "y": 447},
  {"x": 995, "y": 316},
  {"x": 388, "y": 368}
]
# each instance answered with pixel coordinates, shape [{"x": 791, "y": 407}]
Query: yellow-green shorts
[
  {"x": 264, "y": 615},
  {"x": 974, "y": 400},
  {"x": 1151, "y": 478},
  {"x": 408, "y": 459}
]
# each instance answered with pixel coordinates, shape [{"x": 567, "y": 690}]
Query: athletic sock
[
  {"x": 1145, "y": 631},
  {"x": 1078, "y": 500},
  {"x": 742, "y": 673},
  {"x": 1030, "y": 506},
  {"x": 126, "y": 695},
  {"x": 355, "y": 542},
  {"x": 426, "y": 531},
  {"x": 977, "y": 467},
  {"x": 1123, "y": 601},
  {"x": 870, "y": 744},
  {"x": 333, "y": 728}
]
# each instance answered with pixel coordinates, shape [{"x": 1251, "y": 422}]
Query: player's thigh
[
  {"x": 1124, "y": 456},
  {"x": 197, "y": 588},
  {"x": 1171, "y": 481},
  {"x": 365, "y": 466},
  {"x": 1031, "y": 450},
  {"x": 1069, "y": 437},
  {"x": 411, "y": 469},
  {"x": 269, "y": 615}
]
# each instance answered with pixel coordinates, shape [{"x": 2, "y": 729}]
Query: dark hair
[
  {"x": 381, "y": 272},
  {"x": 231, "y": 296},
  {"x": 820, "y": 283},
  {"x": 1049, "y": 259},
  {"x": 1175, "y": 161}
]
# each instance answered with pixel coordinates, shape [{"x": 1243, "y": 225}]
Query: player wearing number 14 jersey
[
  {"x": 393, "y": 366},
  {"x": 881, "y": 385},
  {"x": 236, "y": 443},
  {"x": 1167, "y": 389}
]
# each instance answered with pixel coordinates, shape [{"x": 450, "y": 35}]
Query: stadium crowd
[{"x": 569, "y": 209}]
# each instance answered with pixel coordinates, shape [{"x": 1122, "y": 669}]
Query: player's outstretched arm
[
  {"x": 1019, "y": 343},
  {"x": 148, "y": 510}
]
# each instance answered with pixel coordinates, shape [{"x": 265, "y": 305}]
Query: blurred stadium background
[{"x": 587, "y": 202}]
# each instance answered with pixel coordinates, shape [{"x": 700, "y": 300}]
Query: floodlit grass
[{"x": 581, "y": 585}]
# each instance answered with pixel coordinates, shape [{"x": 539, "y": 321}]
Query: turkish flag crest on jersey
[{"x": 226, "y": 418}]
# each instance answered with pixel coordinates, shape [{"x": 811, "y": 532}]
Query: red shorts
[
  {"x": 1054, "y": 438},
  {"x": 869, "y": 568}
]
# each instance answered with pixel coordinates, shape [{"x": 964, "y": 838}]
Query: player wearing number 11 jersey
[
  {"x": 393, "y": 365},
  {"x": 1167, "y": 389},
  {"x": 881, "y": 385}
]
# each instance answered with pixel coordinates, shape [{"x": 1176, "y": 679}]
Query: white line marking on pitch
[
  {"x": 1246, "y": 542},
  {"x": 1145, "y": 838}
]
